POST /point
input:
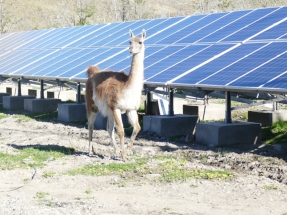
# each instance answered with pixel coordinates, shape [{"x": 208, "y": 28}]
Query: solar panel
[
  {"x": 219, "y": 64},
  {"x": 212, "y": 26},
  {"x": 261, "y": 24},
  {"x": 235, "y": 49},
  {"x": 277, "y": 31},
  {"x": 166, "y": 32},
  {"x": 245, "y": 65},
  {"x": 236, "y": 25},
  {"x": 182, "y": 61}
]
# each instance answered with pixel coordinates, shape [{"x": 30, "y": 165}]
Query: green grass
[
  {"x": 108, "y": 169},
  {"x": 37, "y": 116},
  {"x": 49, "y": 174},
  {"x": 89, "y": 191},
  {"x": 270, "y": 187},
  {"x": 34, "y": 156},
  {"x": 276, "y": 133},
  {"x": 2, "y": 115},
  {"x": 169, "y": 169},
  {"x": 240, "y": 116},
  {"x": 41, "y": 195}
]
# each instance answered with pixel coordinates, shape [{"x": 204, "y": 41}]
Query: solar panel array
[{"x": 232, "y": 50}]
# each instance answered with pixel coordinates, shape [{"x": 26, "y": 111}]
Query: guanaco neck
[{"x": 136, "y": 75}]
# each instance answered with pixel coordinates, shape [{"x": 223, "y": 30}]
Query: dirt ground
[{"x": 259, "y": 185}]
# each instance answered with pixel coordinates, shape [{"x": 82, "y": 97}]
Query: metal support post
[
  {"x": 19, "y": 87},
  {"x": 42, "y": 90},
  {"x": 79, "y": 93},
  {"x": 275, "y": 106},
  {"x": 228, "y": 107},
  {"x": 171, "y": 111}
]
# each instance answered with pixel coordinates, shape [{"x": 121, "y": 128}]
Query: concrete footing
[
  {"x": 168, "y": 126},
  {"x": 101, "y": 121},
  {"x": 15, "y": 102},
  {"x": 41, "y": 105},
  {"x": 71, "y": 112},
  {"x": 1, "y": 96},
  {"x": 206, "y": 112},
  {"x": 267, "y": 118},
  {"x": 219, "y": 133}
]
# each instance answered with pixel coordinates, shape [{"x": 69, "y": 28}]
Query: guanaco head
[{"x": 137, "y": 43}]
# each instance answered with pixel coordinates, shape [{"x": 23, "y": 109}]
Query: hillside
[{"x": 24, "y": 15}]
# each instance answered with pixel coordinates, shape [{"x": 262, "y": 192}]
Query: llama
[{"x": 114, "y": 93}]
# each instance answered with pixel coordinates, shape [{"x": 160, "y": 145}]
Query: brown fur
[{"x": 92, "y": 70}]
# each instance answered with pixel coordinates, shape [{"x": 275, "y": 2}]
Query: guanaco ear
[
  {"x": 132, "y": 34},
  {"x": 143, "y": 34}
]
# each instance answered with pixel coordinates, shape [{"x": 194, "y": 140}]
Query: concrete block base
[
  {"x": 206, "y": 112},
  {"x": 101, "y": 121},
  {"x": 71, "y": 112},
  {"x": 41, "y": 105},
  {"x": 1, "y": 96},
  {"x": 267, "y": 118},
  {"x": 169, "y": 126},
  {"x": 219, "y": 133},
  {"x": 15, "y": 102}
]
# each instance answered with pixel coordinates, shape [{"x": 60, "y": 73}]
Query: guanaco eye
[
  {"x": 140, "y": 42},
  {"x": 130, "y": 42}
]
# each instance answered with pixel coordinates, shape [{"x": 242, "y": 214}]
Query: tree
[{"x": 6, "y": 15}]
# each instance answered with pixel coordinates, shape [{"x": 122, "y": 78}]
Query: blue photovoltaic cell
[
  {"x": 99, "y": 35},
  {"x": 66, "y": 59},
  {"x": 30, "y": 58},
  {"x": 9, "y": 58},
  {"x": 236, "y": 25},
  {"x": 245, "y": 65},
  {"x": 7, "y": 43},
  {"x": 33, "y": 35},
  {"x": 94, "y": 58},
  {"x": 54, "y": 37},
  {"x": 103, "y": 55},
  {"x": 279, "y": 82},
  {"x": 46, "y": 64},
  {"x": 264, "y": 73},
  {"x": 152, "y": 55},
  {"x": 112, "y": 34},
  {"x": 190, "y": 29},
  {"x": 15, "y": 58},
  {"x": 124, "y": 31},
  {"x": 77, "y": 32},
  {"x": 54, "y": 34},
  {"x": 109, "y": 63},
  {"x": 174, "y": 55},
  {"x": 153, "y": 31},
  {"x": 165, "y": 33},
  {"x": 41, "y": 63},
  {"x": 8, "y": 37},
  {"x": 158, "y": 53},
  {"x": 123, "y": 65},
  {"x": 163, "y": 63},
  {"x": 219, "y": 63},
  {"x": 69, "y": 63},
  {"x": 189, "y": 63},
  {"x": 94, "y": 36},
  {"x": 259, "y": 25},
  {"x": 211, "y": 26},
  {"x": 273, "y": 33},
  {"x": 137, "y": 30}
]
